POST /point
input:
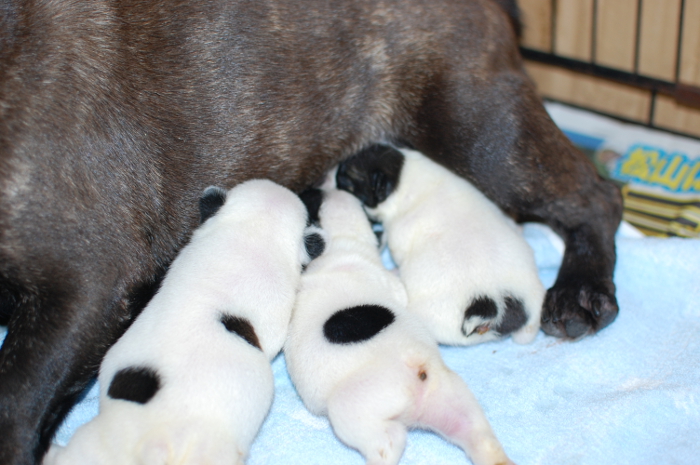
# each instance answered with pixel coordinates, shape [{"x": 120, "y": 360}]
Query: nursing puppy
[
  {"x": 356, "y": 355},
  {"x": 190, "y": 382},
  {"x": 116, "y": 114},
  {"x": 468, "y": 271}
]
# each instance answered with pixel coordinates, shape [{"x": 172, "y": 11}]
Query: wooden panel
[
  {"x": 690, "y": 44},
  {"x": 658, "y": 42},
  {"x": 574, "y": 25},
  {"x": 537, "y": 18},
  {"x": 616, "y": 31},
  {"x": 670, "y": 115},
  {"x": 590, "y": 92}
]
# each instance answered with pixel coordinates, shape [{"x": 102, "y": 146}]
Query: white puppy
[
  {"x": 355, "y": 354},
  {"x": 190, "y": 382},
  {"x": 468, "y": 271}
]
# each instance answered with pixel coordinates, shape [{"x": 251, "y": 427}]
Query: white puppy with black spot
[
  {"x": 356, "y": 355},
  {"x": 190, "y": 382},
  {"x": 468, "y": 271}
]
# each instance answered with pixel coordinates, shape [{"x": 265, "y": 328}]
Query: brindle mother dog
[{"x": 116, "y": 114}]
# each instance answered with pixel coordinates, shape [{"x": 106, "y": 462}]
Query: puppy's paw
[
  {"x": 526, "y": 334},
  {"x": 390, "y": 447},
  {"x": 489, "y": 318},
  {"x": 573, "y": 309}
]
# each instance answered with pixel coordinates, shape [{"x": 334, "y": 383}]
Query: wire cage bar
[{"x": 635, "y": 60}]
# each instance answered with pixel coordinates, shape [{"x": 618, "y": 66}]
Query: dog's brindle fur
[{"x": 116, "y": 114}]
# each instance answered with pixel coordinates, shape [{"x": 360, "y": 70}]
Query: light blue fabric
[{"x": 629, "y": 395}]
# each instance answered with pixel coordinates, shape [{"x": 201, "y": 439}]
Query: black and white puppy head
[
  {"x": 213, "y": 198},
  {"x": 372, "y": 174}
]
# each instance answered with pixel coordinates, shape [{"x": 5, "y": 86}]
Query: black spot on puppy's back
[
  {"x": 212, "y": 199},
  {"x": 514, "y": 318},
  {"x": 242, "y": 328},
  {"x": 357, "y": 324},
  {"x": 135, "y": 384}
]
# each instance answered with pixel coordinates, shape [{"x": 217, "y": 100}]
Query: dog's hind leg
[{"x": 492, "y": 129}]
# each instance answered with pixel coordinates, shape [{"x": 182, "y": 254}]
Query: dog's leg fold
[{"x": 46, "y": 361}]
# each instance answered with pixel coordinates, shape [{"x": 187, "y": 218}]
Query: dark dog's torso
[{"x": 114, "y": 116}]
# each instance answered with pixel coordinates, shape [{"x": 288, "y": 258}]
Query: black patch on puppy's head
[
  {"x": 514, "y": 318},
  {"x": 372, "y": 174},
  {"x": 357, "y": 324},
  {"x": 314, "y": 244},
  {"x": 212, "y": 199},
  {"x": 135, "y": 384},
  {"x": 241, "y": 327},
  {"x": 313, "y": 199}
]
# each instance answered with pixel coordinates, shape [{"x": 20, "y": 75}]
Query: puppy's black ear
[
  {"x": 212, "y": 199},
  {"x": 312, "y": 198},
  {"x": 314, "y": 244},
  {"x": 372, "y": 174}
]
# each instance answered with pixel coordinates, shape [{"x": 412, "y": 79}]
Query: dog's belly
[{"x": 284, "y": 92}]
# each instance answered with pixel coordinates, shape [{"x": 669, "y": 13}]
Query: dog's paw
[{"x": 575, "y": 309}]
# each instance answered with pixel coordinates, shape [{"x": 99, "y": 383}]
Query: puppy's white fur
[
  {"x": 372, "y": 390},
  {"x": 453, "y": 245},
  {"x": 216, "y": 387}
]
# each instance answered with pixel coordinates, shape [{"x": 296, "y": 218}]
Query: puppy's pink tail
[{"x": 450, "y": 409}]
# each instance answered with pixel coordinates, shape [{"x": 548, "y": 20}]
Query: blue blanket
[{"x": 629, "y": 395}]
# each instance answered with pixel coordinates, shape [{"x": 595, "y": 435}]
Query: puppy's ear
[
  {"x": 312, "y": 198},
  {"x": 314, "y": 243},
  {"x": 372, "y": 174},
  {"x": 212, "y": 199}
]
